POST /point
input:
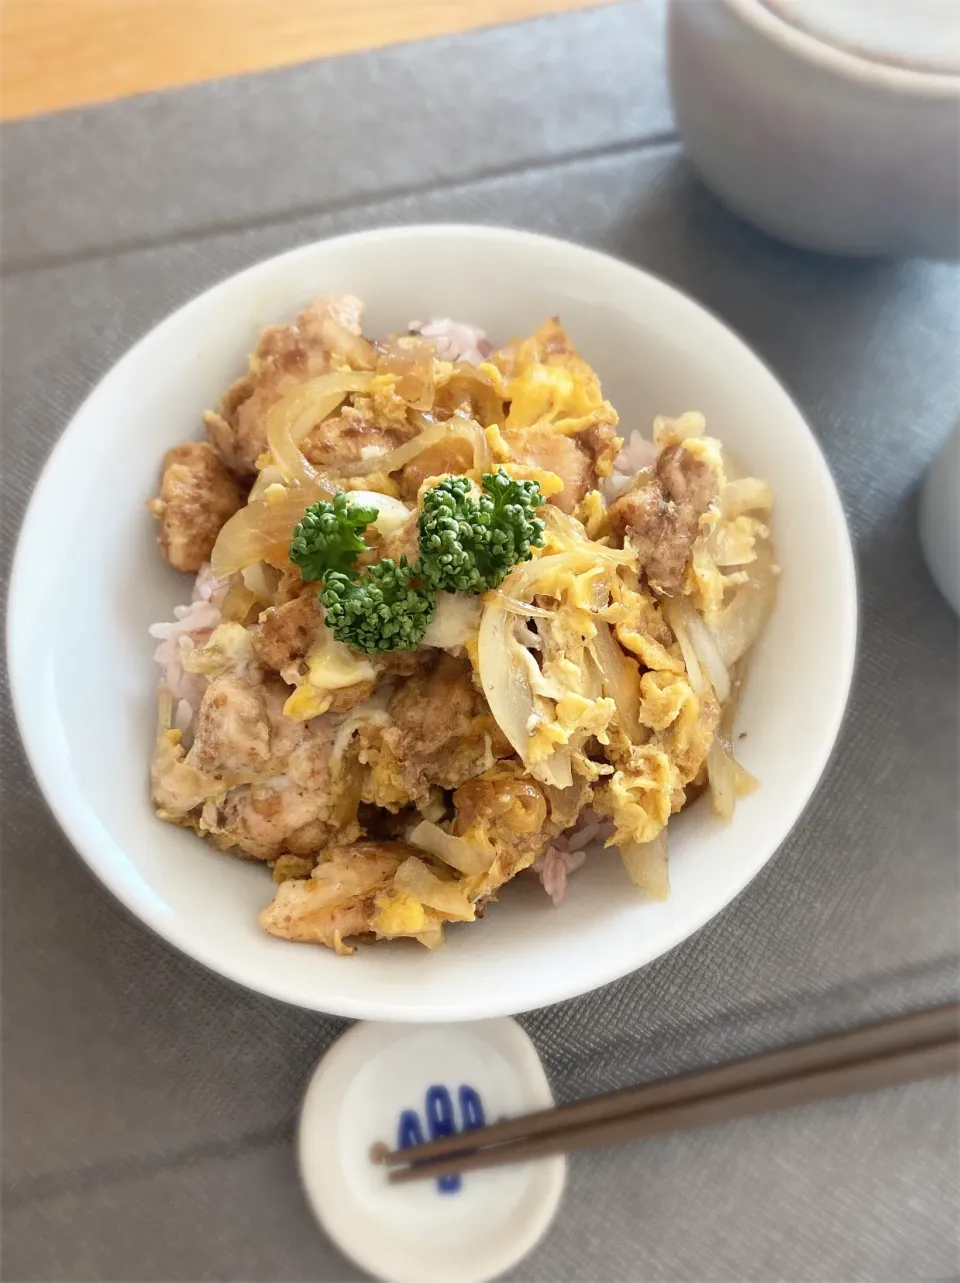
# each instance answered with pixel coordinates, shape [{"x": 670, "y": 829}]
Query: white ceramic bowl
[{"x": 80, "y": 658}]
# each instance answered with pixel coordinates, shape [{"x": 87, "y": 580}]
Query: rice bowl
[{"x": 655, "y": 352}]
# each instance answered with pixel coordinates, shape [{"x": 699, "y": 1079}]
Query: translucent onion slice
[
  {"x": 391, "y": 513},
  {"x": 456, "y": 852},
  {"x": 620, "y": 679},
  {"x": 647, "y": 863},
  {"x": 455, "y": 621},
  {"x": 721, "y": 773},
  {"x": 404, "y": 454},
  {"x": 262, "y": 581},
  {"x": 295, "y": 414},
  {"x": 704, "y": 643},
  {"x": 676, "y": 618},
  {"x": 255, "y": 532},
  {"x": 447, "y": 898},
  {"x": 523, "y": 608},
  {"x": 468, "y": 383},
  {"x": 749, "y": 494},
  {"x": 507, "y": 670},
  {"x": 342, "y": 342},
  {"x": 564, "y": 531},
  {"x": 410, "y": 363},
  {"x": 271, "y": 475},
  {"x": 737, "y": 626}
]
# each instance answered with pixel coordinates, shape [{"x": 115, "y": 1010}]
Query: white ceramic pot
[{"x": 833, "y": 124}]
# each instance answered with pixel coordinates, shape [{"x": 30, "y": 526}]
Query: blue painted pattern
[{"x": 439, "y": 1119}]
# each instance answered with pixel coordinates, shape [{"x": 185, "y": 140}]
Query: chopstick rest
[{"x": 387, "y": 1086}]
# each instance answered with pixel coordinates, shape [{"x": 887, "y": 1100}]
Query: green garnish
[
  {"x": 327, "y": 537},
  {"x": 380, "y": 611},
  {"x": 469, "y": 543}
]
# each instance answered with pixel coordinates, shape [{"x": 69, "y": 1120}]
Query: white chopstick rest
[{"x": 394, "y": 1085}]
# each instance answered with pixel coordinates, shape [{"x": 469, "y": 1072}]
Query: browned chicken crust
[
  {"x": 197, "y": 496},
  {"x": 285, "y": 355},
  {"x": 338, "y": 900},
  {"x": 662, "y": 518}
]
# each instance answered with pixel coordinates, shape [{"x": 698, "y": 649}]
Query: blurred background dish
[{"x": 834, "y": 126}]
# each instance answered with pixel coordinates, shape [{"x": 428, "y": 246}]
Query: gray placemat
[{"x": 149, "y": 1106}]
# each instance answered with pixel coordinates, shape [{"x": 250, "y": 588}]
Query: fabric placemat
[{"x": 148, "y": 1106}]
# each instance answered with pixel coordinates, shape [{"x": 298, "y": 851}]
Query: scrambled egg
[
  {"x": 331, "y": 666},
  {"x": 487, "y": 745}
]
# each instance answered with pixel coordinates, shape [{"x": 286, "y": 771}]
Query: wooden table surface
[{"x": 65, "y": 53}]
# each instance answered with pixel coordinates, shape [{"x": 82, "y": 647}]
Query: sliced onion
[
  {"x": 447, "y": 898},
  {"x": 523, "y": 608},
  {"x": 749, "y": 494},
  {"x": 263, "y": 525},
  {"x": 410, "y": 364},
  {"x": 704, "y": 643},
  {"x": 455, "y": 621},
  {"x": 342, "y": 342},
  {"x": 238, "y": 602},
  {"x": 738, "y": 625},
  {"x": 567, "y": 532},
  {"x": 297, "y": 413},
  {"x": 676, "y": 618},
  {"x": 467, "y": 383},
  {"x": 620, "y": 678},
  {"x": 271, "y": 475},
  {"x": 456, "y": 852},
  {"x": 391, "y": 513},
  {"x": 505, "y": 676},
  {"x": 404, "y": 454},
  {"x": 701, "y": 654},
  {"x": 648, "y": 865},
  {"x": 507, "y": 669},
  {"x": 262, "y": 581},
  {"x": 721, "y": 773},
  {"x": 743, "y": 782},
  {"x": 432, "y": 935}
]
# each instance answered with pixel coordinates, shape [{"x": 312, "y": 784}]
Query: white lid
[
  {"x": 379, "y": 1081},
  {"x": 921, "y": 35}
]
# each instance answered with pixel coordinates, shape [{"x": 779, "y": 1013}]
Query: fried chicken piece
[
  {"x": 285, "y": 355},
  {"x": 508, "y": 814},
  {"x": 603, "y": 445},
  {"x": 277, "y": 791},
  {"x": 282, "y": 817},
  {"x": 338, "y": 900},
  {"x": 662, "y": 517},
  {"x": 442, "y": 731},
  {"x": 233, "y": 728},
  {"x": 432, "y": 708},
  {"x": 301, "y": 805},
  {"x": 561, "y": 455},
  {"x": 348, "y": 437},
  {"x": 285, "y": 633},
  {"x": 455, "y": 454},
  {"x": 197, "y": 496}
]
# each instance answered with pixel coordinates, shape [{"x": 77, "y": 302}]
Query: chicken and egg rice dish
[{"x": 446, "y": 625}]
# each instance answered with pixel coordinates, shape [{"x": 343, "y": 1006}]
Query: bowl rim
[{"x": 84, "y": 839}]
